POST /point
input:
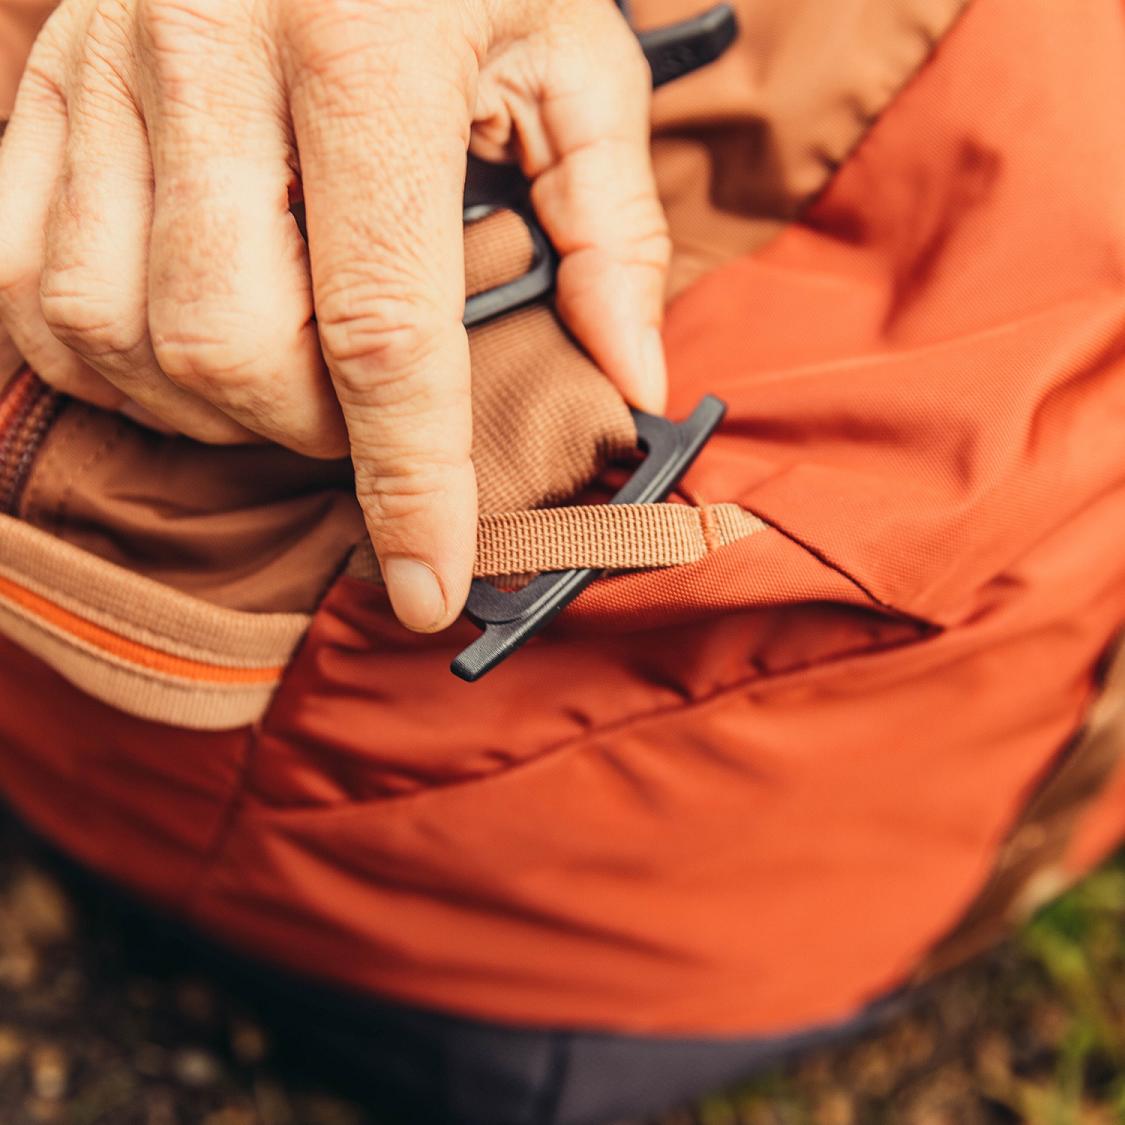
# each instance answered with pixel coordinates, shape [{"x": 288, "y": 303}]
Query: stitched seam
[{"x": 710, "y": 536}]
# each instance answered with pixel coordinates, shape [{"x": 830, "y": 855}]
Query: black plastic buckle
[
  {"x": 681, "y": 48},
  {"x": 537, "y": 283},
  {"x": 510, "y": 620},
  {"x": 672, "y": 53}
]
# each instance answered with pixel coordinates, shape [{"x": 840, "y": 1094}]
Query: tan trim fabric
[
  {"x": 545, "y": 419},
  {"x": 149, "y": 650},
  {"x": 742, "y": 146},
  {"x": 160, "y": 655}
]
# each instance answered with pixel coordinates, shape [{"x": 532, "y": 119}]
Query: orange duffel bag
[{"x": 840, "y": 710}]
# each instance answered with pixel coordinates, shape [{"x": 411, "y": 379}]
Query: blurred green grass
[{"x": 1033, "y": 1033}]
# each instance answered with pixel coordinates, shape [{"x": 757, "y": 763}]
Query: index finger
[{"x": 381, "y": 109}]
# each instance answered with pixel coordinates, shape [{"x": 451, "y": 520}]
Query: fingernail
[
  {"x": 653, "y": 392},
  {"x": 415, "y": 592}
]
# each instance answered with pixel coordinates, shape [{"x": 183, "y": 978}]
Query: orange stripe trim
[
  {"x": 132, "y": 651},
  {"x": 19, "y": 391}
]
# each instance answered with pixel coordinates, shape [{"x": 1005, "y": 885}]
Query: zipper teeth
[
  {"x": 41, "y": 421},
  {"x": 13, "y": 397},
  {"x": 14, "y": 406},
  {"x": 27, "y": 412}
]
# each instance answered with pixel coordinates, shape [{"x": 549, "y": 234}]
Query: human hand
[{"x": 149, "y": 261}]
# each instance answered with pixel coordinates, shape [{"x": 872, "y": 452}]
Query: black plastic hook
[
  {"x": 510, "y": 620},
  {"x": 672, "y": 53}
]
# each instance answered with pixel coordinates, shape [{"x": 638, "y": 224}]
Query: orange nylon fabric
[
  {"x": 644, "y": 821},
  {"x": 747, "y": 795}
]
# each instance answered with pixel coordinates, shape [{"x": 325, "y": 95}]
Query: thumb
[{"x": 593, "y": 189}]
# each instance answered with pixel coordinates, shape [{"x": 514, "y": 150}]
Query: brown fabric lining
[
  {"x": 546, "y": 420},
  {"x": 255, "y": 528},
  {"x": 497, "y": 249}
]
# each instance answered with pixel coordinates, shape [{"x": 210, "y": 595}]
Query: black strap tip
[{"x": 683, "y": 48}]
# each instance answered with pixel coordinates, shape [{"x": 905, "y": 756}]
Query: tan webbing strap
[
  {"x": 599, "y": 537},
  {"x": 608, "y": 537}
]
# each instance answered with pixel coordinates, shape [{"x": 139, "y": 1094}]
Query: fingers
[
  {"x": 10, "y": 358},
  {"x": 31, "y": 160},
  {"x": 586, "y": 151},
  {"x": 229, "y": 297},
  {"x": 93, "y": 288},
  {"x": 381, "y": 108}
]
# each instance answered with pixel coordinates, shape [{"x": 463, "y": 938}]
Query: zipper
[{"x": 28, "y": 410}]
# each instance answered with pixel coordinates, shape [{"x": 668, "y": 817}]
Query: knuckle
[
  {"x": 105, "y": 50},
  {"x": 643, "y": 238},
  {"x": 217, "y": 365},
  {"x": 176, "y": 35},
  {"x": 43, "y": 76},
  {"x": 377, "y": 346},
  {"x": 17, "y": 272},
  {"x": 82, "y": 314},
  {"x": 340, "y": 51},
  {"x": 326, "y": 32},
  {"x": 397, "y": 492},
  {"x": 50, "y": 57},
  {"x": 655, "y": 249},
  {"x": 168, "y": 24},
  {"x": 387, "y": 342}
]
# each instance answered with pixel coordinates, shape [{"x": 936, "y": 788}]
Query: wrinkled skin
[{"x": 149, "y": 261}]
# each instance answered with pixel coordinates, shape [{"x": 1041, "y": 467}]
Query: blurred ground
[{"x": 98, "y": 1027}]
